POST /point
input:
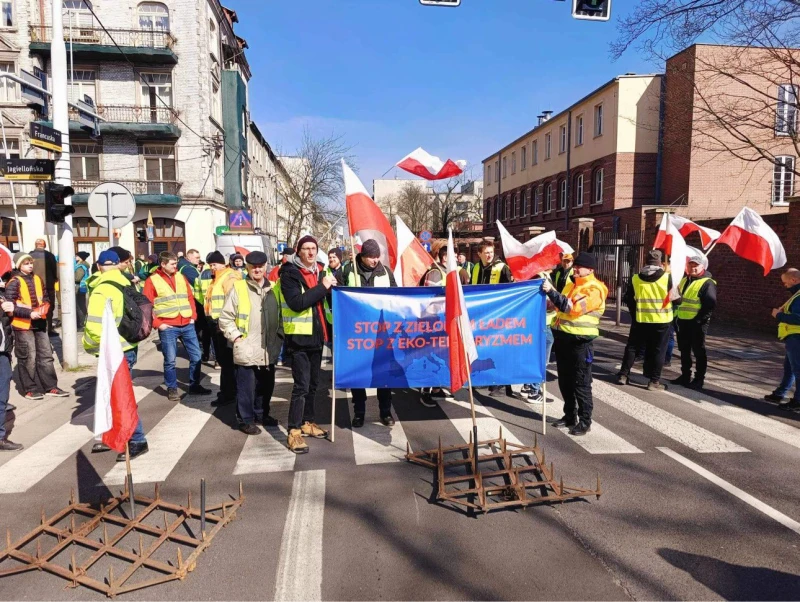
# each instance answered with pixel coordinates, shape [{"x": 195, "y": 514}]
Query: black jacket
[
  {"x": 292, "y": 285},
  {"x": 558, "y": 274},
  {"x": 45, "y": 266},
  {"x": 12, "y": 294},
  {"x": 6, "y": 332},
  {"x": 630, "y": 295},
  {"x": 485, "y": 274},
  {"x": 707, "y": 295},
  {"x": 368, "y": 275}
]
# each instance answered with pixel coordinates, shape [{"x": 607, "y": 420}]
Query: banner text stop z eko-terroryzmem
[{"x": 395, "y": 337}]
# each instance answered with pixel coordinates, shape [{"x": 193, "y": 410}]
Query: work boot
[
  {"x": 622, "y": 379},
  {"x": 358, "y": 421},
  {"x": 6, "y": 445},
  {"x": 295, "y": 442},
  {"x": 790, "y": 406},
  {"x": 773, "y": 398},
  {"x": 568, "y": 421},
  {"x": 135, "y": 449},
  {"x": 310, "y": 429},
  {"x": 580, "y": 429},
  {"x": 655, "y": 385},
  {"x": 697, "y": 384},
  {"x": 683, "y": 380},
  {"x": 173, "y": 395},
  {"x": 250, "y": 429}
]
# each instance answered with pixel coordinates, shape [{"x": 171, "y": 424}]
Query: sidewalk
[{"x": 739, "y": 355}]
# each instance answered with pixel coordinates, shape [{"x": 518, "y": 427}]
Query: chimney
[
  {"x": 540, "y": 119},
  {"x": 546, "y": 115}
]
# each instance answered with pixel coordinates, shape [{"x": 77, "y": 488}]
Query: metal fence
[
  {"x": 619, "y": 256},
  {"x": 139, "y": 38}
]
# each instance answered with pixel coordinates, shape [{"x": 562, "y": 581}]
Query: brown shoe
[
  {"x": 310, "y": 429},
  {"x": 295, "y": 442}
]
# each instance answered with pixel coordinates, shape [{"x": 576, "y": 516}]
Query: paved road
[{"x": 700, "y": 498}]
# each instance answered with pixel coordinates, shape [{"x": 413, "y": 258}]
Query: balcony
[
  {"x": 162, "y": 192},
  {"x": 146, "y": 123},
  {"x": 141, "y": 46}
]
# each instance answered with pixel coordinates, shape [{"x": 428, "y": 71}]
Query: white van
[{"x": 228, "y": 244}]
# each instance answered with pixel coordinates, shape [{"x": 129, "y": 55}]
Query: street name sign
[
  {"x": 45, "y": 137},
  {"x": 40, "y": 170}
]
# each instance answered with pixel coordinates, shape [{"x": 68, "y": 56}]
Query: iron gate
[{"x": 608, "y": 248}]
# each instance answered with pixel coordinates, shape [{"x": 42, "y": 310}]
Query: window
[
  {"x": 514, "y": 203},
  {"x": 159, "y": 167},
  {"x": 488, "y": 174},
  {"x": 505, "y": 166},
  {"x": 562, "y": 195},
  {"x": 513, "y": 163},
  {"x": 547, "y": 146},
  {"x": 8, "y": 89},
  {"x": 498, "y": 209},
  {"x": 523, "y": 157},
  {"x": 598, "y": 120},
  {"x": 579, "y": 191},
  {"x": 83, "y": 84},
  {"x": 13, "y": 148},
  {"x": 782, "y": 180},
  {"x": 156, "y": 90},
  {"x": 786, "y": 115},
  {"x": 548, "y": 198},
  {"x": 488, "y": 212},
  {"x": 598, "y": 186},
  {"x": 216, "y": 101},
  {"x": 525, "y": 195},
  {"x": 537, "y": 199},
  {"x": 579, "y": 130},
  {"x": 84, "y": 161},
  {"x": 535, "y": 152},
  {"x": 7, "y": 14},
  {"x": 153, "y": 16},
  {"x": 219, "y": 182},
  {"x": 496, "y": 171},
  {"x": 562, "y": 139}
]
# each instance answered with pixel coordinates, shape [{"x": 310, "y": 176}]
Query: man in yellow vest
[
  {"x": 577, "y": 323},
  {"x": 698, "y": 299},
  {"x": 303, "y": 290},
  {"x": 489, "y": 270},
  {"x": 788, "y": 317},
  {"x": 251, "y": 321},
  {"x": 189, "y": 266},
  {"x": 108, "y": 285},
  {"x": 174, "y": 315},
  {"x": 563, "y": 273},
  {"x": 224, "y": 277},
  {"x": 32, "y": 304},
  {"x": 200, "y": 287},
  {"x": 647, "y": 298}
]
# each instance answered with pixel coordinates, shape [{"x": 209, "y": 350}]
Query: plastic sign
[
  {"x": 29, "y": 169},
  {"x": 440, "y": 2},
  {"x": 45, "y": 137},
  {"x": 591, "y": 10}
]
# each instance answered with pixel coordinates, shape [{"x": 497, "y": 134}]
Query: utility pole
[{"x": 66, "y": 246}]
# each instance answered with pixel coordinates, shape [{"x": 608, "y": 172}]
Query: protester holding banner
[
  {"x": 368, "y": 272},
  {"x": 577, "y": 322},
  {"x": 303, "y": 290},
  {"x": 250, "y": 320},
  {"x": 435, "y": 276}
]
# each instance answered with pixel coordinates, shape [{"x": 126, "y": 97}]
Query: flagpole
[
  {"x": 333, "y": 394},
  {"x": 471, "y": 402},
  {"x": 129, "y": 480}
]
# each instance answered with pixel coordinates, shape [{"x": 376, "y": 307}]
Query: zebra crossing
[{"x": 172, "y": 437}]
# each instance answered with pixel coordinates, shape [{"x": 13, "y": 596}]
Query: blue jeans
[
  {"x": 791, "y": 367},
  {"x": 138, "y": 435},
  {"x": 169, "y": 347},
  {"x": 670, "y": 342},
  {"x": 537, "y": 387},
  {"x": 5, "y": 389}
]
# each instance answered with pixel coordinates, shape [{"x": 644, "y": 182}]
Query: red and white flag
[
  {"x": 425, "y": 165},
  {"x": 459, "y": 331},
  {"x": 115, "y": 411},
  {"x": 526, "y": 260},
  {"x": 678, "y": 254},
  {"x": 6, "y": 260},
  {"x": 366, "y": 220},
  {"x": 685, "y": 227},
  {"x": 750, "y": 237},
  {"x": 413, "y": 260}
]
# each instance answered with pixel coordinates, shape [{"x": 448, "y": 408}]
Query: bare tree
[
  {"x": 413, "y": 205},
  {"x": 452, "y": 208},
  {"x": 742, "y": 99},
  {"x": 315, "y": 193}
]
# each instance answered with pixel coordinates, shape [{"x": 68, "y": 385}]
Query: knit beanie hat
[
  {"x": 305, "y": 239},
  {"x": 586, "y": 260},
  {"x": 654, "y": 258},
  {"x": 336, "y": 251},
  {"x": 215, "y": 257},
  {"x": 19, "y": 257},
  {"x": 370, "y": 248},
  {"x": 123, "y": 254}
]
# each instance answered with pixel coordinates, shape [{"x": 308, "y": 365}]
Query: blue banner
[{"x": 395, "y": 337}]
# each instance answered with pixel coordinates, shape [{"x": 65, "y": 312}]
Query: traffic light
[
  {"x": 55, "y": 210},
  {"x": 141, "y": 234},
  {"x": 591, "y": 10}
]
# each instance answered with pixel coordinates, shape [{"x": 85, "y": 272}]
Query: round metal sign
[
  {"x": 425, "y": 236},
  {"x": 114, "y": 198}
]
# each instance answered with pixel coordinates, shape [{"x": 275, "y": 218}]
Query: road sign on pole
[
  {"x": 111, "y": 199},
  {"x": 425, "y": 235},
  {"x": 45, "y": 137}
]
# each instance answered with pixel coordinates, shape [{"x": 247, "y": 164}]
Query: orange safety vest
[{"x": 26, "y": 301}]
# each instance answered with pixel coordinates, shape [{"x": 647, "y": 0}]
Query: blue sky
[{"x": 391, "y": 75}]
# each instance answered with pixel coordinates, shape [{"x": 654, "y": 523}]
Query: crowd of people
[{"x": 253, "y": 318}]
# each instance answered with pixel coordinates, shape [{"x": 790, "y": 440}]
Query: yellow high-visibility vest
[
  {"x": 301, "y": 323},
  {"x": 494, "y": 278},
  {"x": 171, "y": 303},
  {"x": 690, "y": 298},
  {"x": 588, "y": 324},
  {"x": 243, "y": 309},
  {"x": 784, "y": 330},
  {"x": 215, "y": 295},
  {"x": 650, "y": 298}
]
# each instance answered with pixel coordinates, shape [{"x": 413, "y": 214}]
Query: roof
[{"x": 572, "y": 106}]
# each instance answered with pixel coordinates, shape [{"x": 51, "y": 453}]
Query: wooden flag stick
[
  {"x": 471, "y": 401},
  {"x": 333, "y": 396},
  {"x": 129, "y": 479}
]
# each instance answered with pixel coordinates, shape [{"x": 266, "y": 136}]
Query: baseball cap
[{"x": 108, "y": 257}]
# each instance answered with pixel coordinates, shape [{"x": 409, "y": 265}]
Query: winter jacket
[
  {"x": 262, "y": 344},
  {"x": 368, "y": 275},
  {"x": 437, "y": 275},
  {"x": 707, "y": 295},
  {"x": 629, "y": 298},
  {"x": 299, "y": 296},
  {"x": 485, "y": 274},
  {"x": 793, "y": 315},
  {"x": 189, "y": 270},
  {"x": 6, "y": 332},
  {"x": 12, "y": 294},
  {"x": 45, "y": 266}
]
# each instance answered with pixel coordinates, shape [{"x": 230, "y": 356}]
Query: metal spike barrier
[
  {"x": 509, "y": 475},
  {"x": 92, "y": 534}
]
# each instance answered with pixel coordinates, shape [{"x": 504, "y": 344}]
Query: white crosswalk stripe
[
  {"x": 489, "y": 427},
  {"x": 375, "y": 443},
  {"x": 265, "y": 453}
]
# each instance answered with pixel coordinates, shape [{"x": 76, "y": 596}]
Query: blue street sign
[
  {"x": 427, "y": 246},
  {"x": 281, "y": 247},
  {"x": 425, "y": 236}
]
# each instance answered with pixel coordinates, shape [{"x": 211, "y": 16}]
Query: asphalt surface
[{"x": 700, "y": 497}]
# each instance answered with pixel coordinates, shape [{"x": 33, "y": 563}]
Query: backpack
[{"x": 137, "y": 314}]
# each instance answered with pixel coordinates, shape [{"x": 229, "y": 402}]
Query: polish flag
[
  {"x": 424, "y": 165},
  {"x": 526, "y": 260},
  {"x": 366, "y": 220},
  {"x": 115, "y": 411},
  {"x": 685, "y": 227},
  {"x": 750, "y": 237},
  {"x": 459, "y": 331},
  {"x": 413, "y": 260},
  {"x": 6, "y": 260},
  {"x": 678, "y": 254}
]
